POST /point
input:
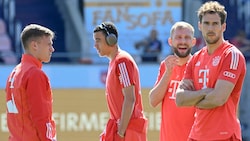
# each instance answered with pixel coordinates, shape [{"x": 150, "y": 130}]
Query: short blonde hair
[
  {"x": 181, "y": 25},
  {"x": 33, "y": 31}
]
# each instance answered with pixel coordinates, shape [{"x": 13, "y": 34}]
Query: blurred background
[{"x": 77, "y": 73}]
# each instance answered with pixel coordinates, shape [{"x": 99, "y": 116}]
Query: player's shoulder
[
  {"x": 233, "y": 54},
  {"x": 230, "y": 49},
  {"x": 201, "y": 51},
  {"x": 34, "y": 71},
  {"x": 124, "y": 57}
]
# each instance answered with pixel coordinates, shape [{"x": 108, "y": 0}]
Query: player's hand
[{"x": 171, "y": 61}]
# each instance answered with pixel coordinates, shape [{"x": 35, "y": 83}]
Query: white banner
[{"x": 134, "y": 19}]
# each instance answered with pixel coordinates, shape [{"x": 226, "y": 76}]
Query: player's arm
[
  {"x": 187, "y": 96},
  {"x": 37, "y": 98},
  {"x": 158, "y": 92},
  {"x": 218, "y": 96},
  {"x": 127, "y": 108},
  {"x": 233, "y": 63}
]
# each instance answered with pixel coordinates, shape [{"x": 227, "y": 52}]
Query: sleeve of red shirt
[
  {"x": 125, "y": 69},
  {"x": 40, "y": 100},
  {"x": 232, "y": 66},
  {"x": 161, "y": 71}
]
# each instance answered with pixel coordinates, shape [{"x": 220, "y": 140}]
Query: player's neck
[
  {"x": 212, "y": 47},
  {"x": 114, "y": 52},
  {"x": 183, "y": 61}
]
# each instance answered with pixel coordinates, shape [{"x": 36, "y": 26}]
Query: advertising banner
[
  {"x": 81, "y": 114},
  {"x": 134, "y": 19}
]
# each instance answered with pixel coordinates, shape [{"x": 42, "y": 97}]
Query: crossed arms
[{"x": 207, "y": 98}]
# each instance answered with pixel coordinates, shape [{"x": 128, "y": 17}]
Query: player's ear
[
  {"x": 194, "y": 42},
  {"x": 33, "y": 45},
  {"x": 224, "y": 26},
  {"x": 199, "y": 26},
  {"x": 170, "y": 41}
]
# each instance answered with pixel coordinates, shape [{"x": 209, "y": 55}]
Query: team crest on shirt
[{"x": 216, "y": 60}]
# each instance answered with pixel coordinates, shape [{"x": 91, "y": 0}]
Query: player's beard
[
  {"x": 181, "y": 55},
  {"x": 211, "y": 40}
]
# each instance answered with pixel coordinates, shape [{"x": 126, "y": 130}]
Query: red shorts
[{"x": 232, "y": 138}]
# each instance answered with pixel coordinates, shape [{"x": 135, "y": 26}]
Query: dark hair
[
  {"x": 212, "y": 7},
  {"x": 107, "y": 28},
  {"x": 34, "y": 31}
]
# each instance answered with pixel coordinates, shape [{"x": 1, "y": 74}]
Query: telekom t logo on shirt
[
  {"x": 172, "y": 88},
  {"x": 203, "y": 77}
]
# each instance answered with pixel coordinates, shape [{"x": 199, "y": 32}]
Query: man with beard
[
  {"x": 213, "y": 80},
  {"x": 176, "y": 122}
]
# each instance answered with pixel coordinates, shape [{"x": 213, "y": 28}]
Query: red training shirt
[
  {"x": 176, "y": 122},
  {"x": 123, "y": 72},
  {"x": 29, "y": 103},
  {"x": 226, "y": 63}
]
